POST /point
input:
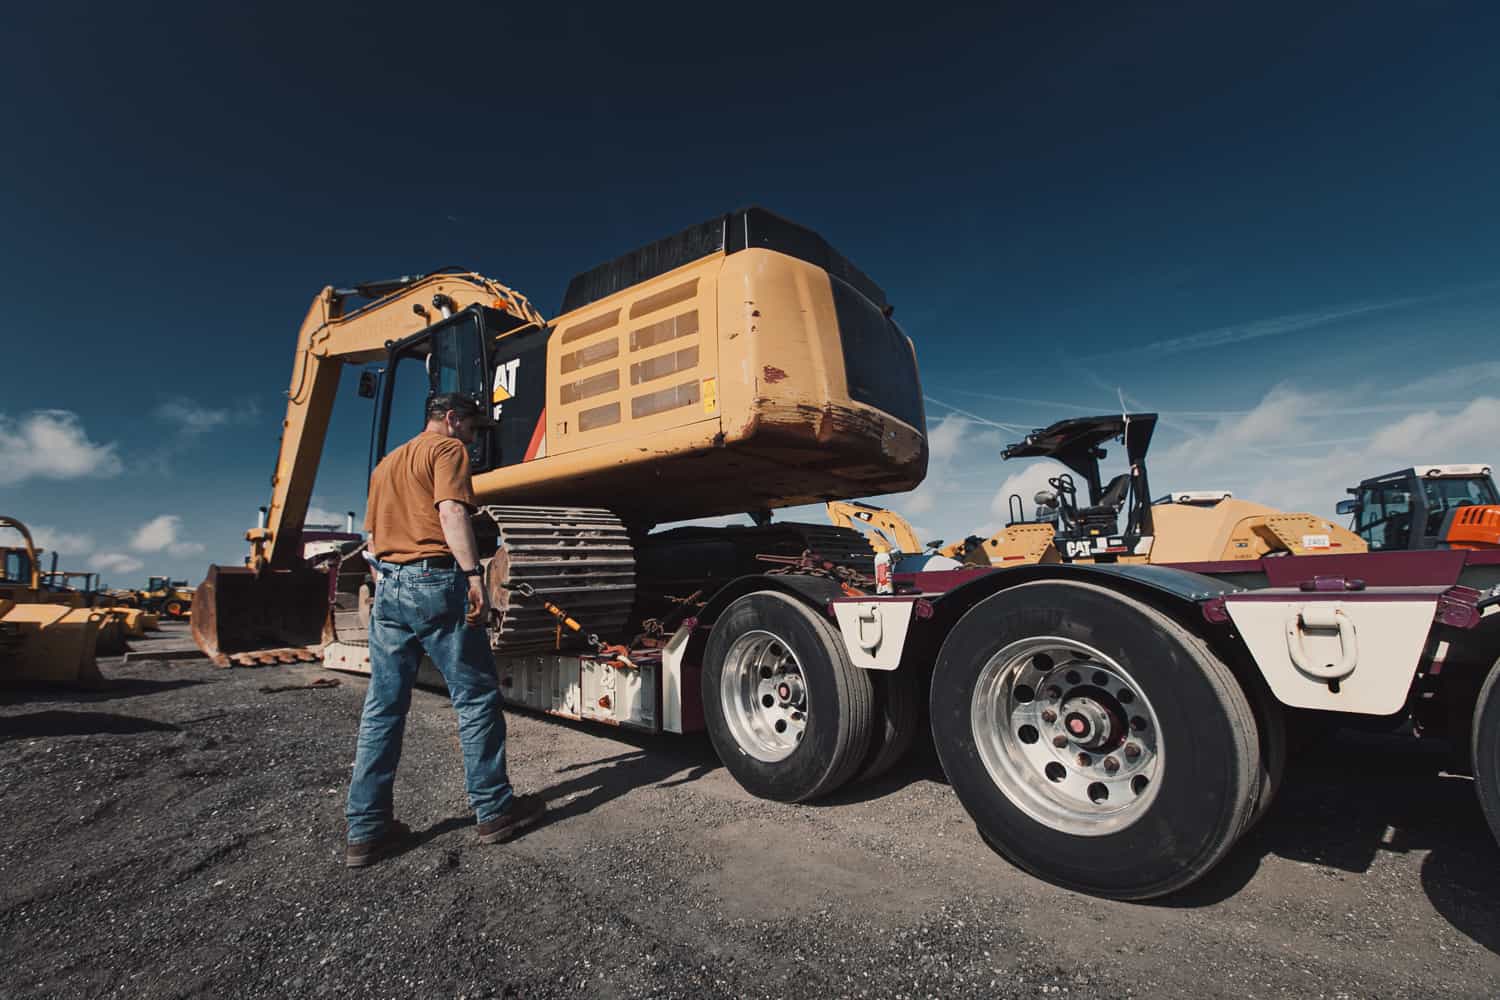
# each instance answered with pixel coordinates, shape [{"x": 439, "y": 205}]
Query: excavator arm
[
  {"x": 277, "y": 605},
  {"x": 329, "y": 338},
  {"x": 887, "y": 528}
]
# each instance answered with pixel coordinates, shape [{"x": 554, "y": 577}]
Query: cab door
[{"x": 449, "y": 356}]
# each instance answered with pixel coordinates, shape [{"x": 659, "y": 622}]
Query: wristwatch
[{"x": 476, "y": 571}]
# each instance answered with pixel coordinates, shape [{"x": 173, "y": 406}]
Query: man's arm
[{"x": 459, "y": 534}]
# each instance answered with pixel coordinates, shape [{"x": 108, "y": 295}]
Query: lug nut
[
  {"x": 1059, "y": 741},
  {"x": 1132, "y": 751},
  {"x": 1054, "y": 692},
  {"x": 1084, "y": 760},
  {"x": 1110, "y": 764},
  {"x": 1048, "y": 715}
]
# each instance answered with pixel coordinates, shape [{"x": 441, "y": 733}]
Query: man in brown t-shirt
[{"x": 429, "y": 597}]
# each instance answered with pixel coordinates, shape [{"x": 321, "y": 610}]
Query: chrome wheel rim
[
  {"x": 764, "y": 696},
  {"x": 1067, "y": 735}
]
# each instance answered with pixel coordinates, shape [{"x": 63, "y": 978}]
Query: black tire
[
  {"x": 1199, "y": 801},
  {"x": 1271, "y": 725},
  {"x": 1485, "y": 743},
  {"x": 839, "y": 699},
  {"x": 898, "y": 716}
]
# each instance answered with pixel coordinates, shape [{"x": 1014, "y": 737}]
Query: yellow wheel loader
[
  {"x": 42, "y": 639},
  {"x": 117, "y": 624},
  {"x": 736, "y": 367}
]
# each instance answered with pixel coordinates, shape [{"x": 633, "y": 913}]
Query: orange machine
[{"x": 1427, "y": 507}]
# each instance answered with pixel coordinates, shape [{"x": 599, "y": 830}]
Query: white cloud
[
  {"x": 1293, "y": 452},
  {"x": 116, "y": 562},
  {"x": 954, "y": 445},
  {"x": 191, "y": 418},
  {"x": 156, "y": 534},
  {"x": 1025, "y": 483},
  {"x": 51, "y": 444},
  {"x": 323, "y": 515},
  {"x": 160, "y": 535},
  {"x": 64, "y": 543}
]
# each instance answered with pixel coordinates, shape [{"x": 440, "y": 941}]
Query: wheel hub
[
  {"x": 1089, "y": 724},
  {"x": 764, "y": 696},
  {"x": 1067, "y": 735}
]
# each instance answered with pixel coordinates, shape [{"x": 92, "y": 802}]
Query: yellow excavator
[
  {"x": 42, "y": 639},
  {"x": 1116, "y": 521},
  {"x": 736, "y": 367}
]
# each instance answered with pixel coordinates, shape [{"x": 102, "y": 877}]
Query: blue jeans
[{"x": 419, "y": 609}]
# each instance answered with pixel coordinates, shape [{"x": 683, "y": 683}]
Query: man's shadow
[
  {"x": 663, "y": 761},
  {"x": 660, "y": 761}
]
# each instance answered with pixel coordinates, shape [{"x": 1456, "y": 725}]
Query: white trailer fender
[
  {"x": 1341, "y": 652},
  {"x": 874, "y": 631}
]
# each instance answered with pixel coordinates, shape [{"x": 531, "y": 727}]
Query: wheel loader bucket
[
  {"x": 129, "y": 619},
  {"x": 49, "y": 644},
  {"x": 111, "y": 640},
  {"x": 275, "y": 616}
]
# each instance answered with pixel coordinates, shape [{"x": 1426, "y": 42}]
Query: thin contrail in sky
[
  {"x": 1279, "y": 325},
  {"x": 1274, "y": 327},
  {"x": 1013, "y": 428}
]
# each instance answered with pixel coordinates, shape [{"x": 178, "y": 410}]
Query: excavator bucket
[
  {"x": 248, "y": 618},
  {"x": 48, "y": 644}
]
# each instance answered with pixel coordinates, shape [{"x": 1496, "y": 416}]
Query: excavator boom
[{"x": 276, "y": 602}]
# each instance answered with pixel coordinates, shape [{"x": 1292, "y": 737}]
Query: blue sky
[{"x": 1278, "y": 227}]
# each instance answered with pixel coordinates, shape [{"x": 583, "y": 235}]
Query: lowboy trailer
[{"x": 1111, "y": 728}]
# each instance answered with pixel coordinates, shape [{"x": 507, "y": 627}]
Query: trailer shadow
[
  {"x": 660, "y": 761},
  {"x": 1354, "y": 797},
  {"x": 57, "y": 722},
  {"x": 112, "y": 689}
]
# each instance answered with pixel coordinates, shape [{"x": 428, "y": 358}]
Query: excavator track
[{"x": 579, "y": 558}]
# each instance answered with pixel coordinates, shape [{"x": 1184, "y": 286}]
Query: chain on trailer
[{"x": 851, "y": 581}]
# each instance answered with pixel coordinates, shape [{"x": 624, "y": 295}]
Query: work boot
[
  {"x": 524, "y": 811},
  {"x": 367, "y": 852}
]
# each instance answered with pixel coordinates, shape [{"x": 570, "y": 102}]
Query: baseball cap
[{"x": 460, "y": 404}]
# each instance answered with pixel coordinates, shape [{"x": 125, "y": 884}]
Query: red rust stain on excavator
[{"x": 773, "y": 374}]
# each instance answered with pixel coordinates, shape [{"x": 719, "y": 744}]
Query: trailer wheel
[
  {"x": 788, "y": 714},
  {"x": 898, "y": 711},
  {"x": 1485, "y": 741},
  {"x": 1095, "y": 742}
]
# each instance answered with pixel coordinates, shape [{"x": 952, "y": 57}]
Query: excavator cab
[{"x": 458, "y": 354}]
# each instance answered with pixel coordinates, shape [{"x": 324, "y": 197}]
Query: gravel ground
[{"x": 180, "y": 834}]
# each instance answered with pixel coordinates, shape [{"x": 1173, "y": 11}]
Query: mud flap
[{"x": 276, "y": 615}]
